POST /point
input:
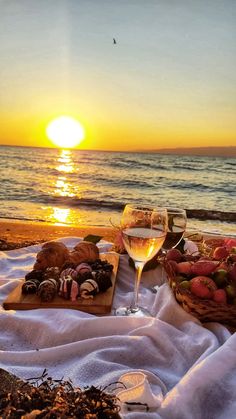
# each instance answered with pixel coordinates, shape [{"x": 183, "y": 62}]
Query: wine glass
[
  {"x": 143, "y": 230},
  {"x": 177, "y": 221}
]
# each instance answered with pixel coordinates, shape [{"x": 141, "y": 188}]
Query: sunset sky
[{"x": 169, "y": 81}]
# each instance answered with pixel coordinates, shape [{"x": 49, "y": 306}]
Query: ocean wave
[{"x": 106, "y": 180}]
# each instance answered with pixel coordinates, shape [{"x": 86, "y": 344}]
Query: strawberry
[
  {"x": 184, "y": 268},
  {"x": 230, "y": 243},
  {"x": 220, "y": 253},
  {"x": 220, "y": 296},
  {"x": 202, "y": 286},
  {"x": 222, "y": 265},
  {"x": 203, "y": 267}
]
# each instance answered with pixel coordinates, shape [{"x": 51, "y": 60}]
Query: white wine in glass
[{"x": 144, "y": 230}]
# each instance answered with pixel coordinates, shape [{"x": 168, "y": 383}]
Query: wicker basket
[{"x": 204, "y": 310}]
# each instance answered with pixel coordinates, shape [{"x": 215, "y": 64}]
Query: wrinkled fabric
[{"x": 196, "y": 364}]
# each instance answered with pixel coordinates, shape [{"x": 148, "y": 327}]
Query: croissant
[
  {"x": 88, "y": 251},
  {"x": 56, "y": 245},
  {"x": 52, "y": 254}
]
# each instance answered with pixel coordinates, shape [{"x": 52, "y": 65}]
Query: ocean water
[{"x": 78, "y": 187}]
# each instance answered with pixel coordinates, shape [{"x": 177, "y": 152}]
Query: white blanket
[{"x": 196, "y": 364}]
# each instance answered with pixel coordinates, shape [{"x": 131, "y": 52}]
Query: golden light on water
[
  {"x": 60, "y": 215},
  {"x": 65, "y": 132},
  {"x": 65, "y": 168},
  {"x": 62, "y": 188},
  {"x": 66, "y": 165}
]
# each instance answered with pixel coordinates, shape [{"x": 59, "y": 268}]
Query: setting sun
[{"x": 65, "y": 132}]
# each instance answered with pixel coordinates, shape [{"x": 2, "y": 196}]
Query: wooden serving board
[{"x": 100, "y": 304}]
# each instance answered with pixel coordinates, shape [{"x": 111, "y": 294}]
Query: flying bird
[{"x": 114, "y": 41}]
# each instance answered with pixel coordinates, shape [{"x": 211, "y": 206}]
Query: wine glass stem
[
  {"x": 138, "y": 272},
  {"x": 162, "y": 267}
]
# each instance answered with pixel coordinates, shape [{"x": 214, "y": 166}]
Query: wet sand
[{"x": 16, "y": 234}]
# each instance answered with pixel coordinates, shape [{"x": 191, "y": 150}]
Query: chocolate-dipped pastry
[
  {"x": 34, "y": 274},
  {"x": 64, "y": 287},
  {"x": 69, "y": 288},
  {"x": 47, "y": 289},
  {"x": 68, "y": 264},
  {"x": 103, "y": 280},
  {"x": 83, "y": 268},
  {"x": 100, "y": 283},
  {"x": 103, "y": 265},
  {"x": 52, "y": 272},
  {"x": 88, "y": 289},
  {"x": 84, "y": 271},
  {"x": 69, "y": 272},
  {"x": 30, "y": 286}
]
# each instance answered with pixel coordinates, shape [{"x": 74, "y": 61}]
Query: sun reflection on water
[
  {"x": 60, "y": 215},
  {"x": 67, "y": 165},
  {"x": 64, "y": 188}
]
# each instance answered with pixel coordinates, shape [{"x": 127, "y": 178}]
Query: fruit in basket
[
  {"x": 174, "y": 254},
  {"x": 184, "y": 268},
  {"x": 180, "y": 278},
  {"x": 220, "y": 296},
  {"x": 220, "y": 253},
  {"x": 185, "y": 285},
  {"x": 223, "y": 265},
  {"x": 202, "y": 286},
  {"x": 230, "y": 291},
  {"x": 232, "y": 258},
  {"x": 203, "y": 267},
  {"x": 220, "y": 277},
  {"x": 232, "y": 273},
  {"x": 230, "y": 243}
]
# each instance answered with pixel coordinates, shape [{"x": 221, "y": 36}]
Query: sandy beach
[{"x": 15, "y": 234}]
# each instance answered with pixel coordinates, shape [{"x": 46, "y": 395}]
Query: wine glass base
[{"x": 127, "y": 311}]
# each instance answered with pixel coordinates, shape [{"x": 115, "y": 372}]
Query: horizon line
[{"x": 171, "y": 150}]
